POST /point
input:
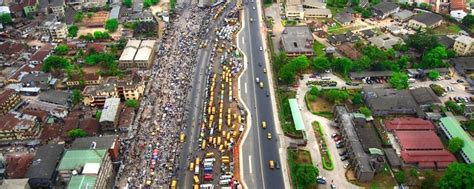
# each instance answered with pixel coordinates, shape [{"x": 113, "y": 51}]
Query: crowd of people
[{"x": 152, "y": 156}]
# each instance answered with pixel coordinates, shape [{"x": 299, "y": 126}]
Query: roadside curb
[{"x": 248, "y": 118}]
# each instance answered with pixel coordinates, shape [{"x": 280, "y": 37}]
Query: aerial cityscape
[{"x": 236, "y": 94}]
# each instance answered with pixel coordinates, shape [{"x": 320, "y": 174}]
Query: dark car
[
  {"x": 277, "y": 165},
  {"x": 321, "y": 181},
  {"x": 343, "y": 153},
  {"x": 460, "y": 81},
  {"x": 339, "y": 145},
  {"x": 344, "y": 157},
  {"x": 267, "y": 93}
]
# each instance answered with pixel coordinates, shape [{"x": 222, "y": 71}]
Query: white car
[
  {"x": 261, "y": 48},
  {"x": 346, "y": 165},
  {"x": 253, "y": 8},
  {"x": 257, "y": 79}
]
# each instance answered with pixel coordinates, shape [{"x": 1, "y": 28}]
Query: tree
[
  {"x": 366, "y": 111},
  {"x": 454, "y": 107},
  {"x": 355, "y": 2},
  {"x": 111, "y": 25},
  {"x": 425, "y": 6},
  {"x": 366, "y": 13},
  {"x": 87, "y": 37},
  {"x": 357, "y": 99},
  {"x": 455, "y": 144},
  {"x": 374, "y": 2},
  {"x": 98, "y": 35},
  {"x": 337, "y": 96},
  {"x": 127, "y": 3},
  {"x": 362, "y": 64},
  {"x": 76, "y": 97},
  {"x": 76, "y": 133},
  {"x": 306, "y": 174},
  {"x": 5, "y": 18},
  {"x": 268, "y": 2},
  {"x": 457, "y": 175},
  {"x": 106, "y": 60},
  {"x": 132, "y": 103},
  {"x": 98, "y": 113},
  {"x": 147, "y": 3},
  {"x": 90, "y": 14},
  {"x": 61, "y": 49},
  {"x": 434, "y": 58},
  {"x": 413, "y": 172},
  {"x": 78, "y": 17},
  {"x": 54, "y": 63},
  {"x": 400, "y": 177},
  {"x": 314, "y": 91},
  {"x": 433, "y": 74},
  {"x": 343, "y": 65},
  {"x": 429, "y": 181},
  {"x": 288, "y": 72},
  {"x": 321, "y": 64},
  {"x": 468, "y": 20},
  {"x": 172, "y": 5},
  {"x": 469, "y": 125},
  {"x": 403, "y": 62},
  {"x": 399, "y": 80},
  {"x": 72, "y": 31},
  {"x": 422, "y": 41}
]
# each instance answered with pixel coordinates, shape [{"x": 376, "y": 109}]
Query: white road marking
[
  {"x": 245, "y": 87},
  {"x": 250, "y": 164},
  {"x": 243, "y": 40}
]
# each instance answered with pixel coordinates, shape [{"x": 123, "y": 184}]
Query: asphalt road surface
[{"x": 257, "y": 149}]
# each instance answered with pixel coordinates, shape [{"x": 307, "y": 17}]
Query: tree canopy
[
  {"x": 400, "y": 176},
  {"x": 61, "y": 49},
  {"x": 457, "y": 175},
  {"x": 76, "y": 133},
  {"x": 343, "y": 65},
  {"x": 454, "y": 107},
  {"x": 127, "y": 3},
  {"x": 366, "y": 111},
  {"x": 78, "y": 17},
  {"x": 468, "y": 20},
  {"x": 132, "y": 103},
  {"x": 336, "y": 96},
  {"x": 76, "y": 97},
  {"x": 433, "y": 74},
  {"x": 434, "y": 58},
  {"x": 455, "y": 144},
  {"x": 306, "y": 174},
  {"x": 288, "y": 72},
  {"x": 103, "y": 59},
  {"x": 399, "y": 80},
  {"x": 111, "y": 25},
  {"x": 5, "y": 18},
  {"x": 321, "y": 64},
  {"x": 72, "y": 31},
  {"x": 422, "y": 41},
  {"x": 53, "y": 63}
]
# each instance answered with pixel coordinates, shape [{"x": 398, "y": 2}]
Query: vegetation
[
  {"x": 78, "y": 17},
  {"x": 357, "y": 99},
  {"x": 5, "y": 18},
  {"x": 434, "y": 58},
  {"x": 422, "y": 41},
  {"x": 468, "y": 20},
  {"x": 455, "y": 144},
  {"x": 149, "y": 3},
  {"x": 106, "y": 60},
  {"x": 72, "y": 31},
  {"x": 321, "y": 64},
  {"x": 98, "y": 113},
  {"x": 457, "y": 175},
  {"x": 337, "y": 3},
  {"x": 76, "y": 133},
  {"x": 469, "y": 125},
  {"x": 55, "y": 63},
  {"x": 336, "y": 96},
  {"x": 343, "y": 65},
  {"x": 438, "y": 90},
  {"x": 284, "y": 112},
  {"x": 326, "y": 157},
  {"x": 76, "y": 97},
  {"x": 61, "y": 49},
  {"x": 172, "y": 5},
  {"x": 454, "y": 107},
  {"x": 127, "y": 3},
  {"x": 306, "y": 174},
  {"x": 111, "y": 25},
  {"x": 98, "y": 35},
  {"x": 132, "y": 103},
  {"x": 288, "y": 72},
  {"x": 366, "y": 111},
  {"x": 433, "y": 74},
  {"x": 400, "y": 177},
  {"x": 399, "y": 80},
  {"x": 318, "y": 49},
  {"x": 90, "y": 14}
]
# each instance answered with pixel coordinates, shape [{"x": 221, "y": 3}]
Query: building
[
  {"x": 349, "y": 50},
  {"x": 384, "y": 102},
  {"x": 458, "y": 9},
  {"x": 29, "y": 6},
  {"x": 446, "y": 41},
  {"x": 18, "y": 126},
  {"x": 370, "y": 74},
  {"x": 297, "y": 40},
  {"x": 126, "y": 119},
  {"x": 94, "y": 3},
  {"x": 360, "y": 161},
  {"x": 469, "y": 111},
  {"x": 408, "y": 124},
  {"x": 138, "y": 54},
  {"x": 452, "y": 128},
  {"x": 384, "y": 9},
  {"x": 52, "y": 109},
  {"x": 144, "y": 16},
  {"x": 344, "y": 17},
  {"x": 111, "y": 143},
  {"x": 368, "y": 33},
  {"x": 42, "y": 172},
  {"x": 464, "y": 45},
  {"x": 85, "y": 79},
  {"x": 61, "y": 98},
  {"x": 15, "y": 183},
  {"x": 317, "y": 13},
  {"x": 425, "y": 97},
  {"x": 39, "y": 56},
  {"x": 57, "y": 7},
  {"x": 128, "y": 88},
  {"x": 343, "y": 38},
  {"x": 110, "y": 115},
  {"x": 423, "y": 148},
  {"x": 114, "y": 12},
  {"x": 306, "y": 9},
  {"x": 8, "y": 100},
  {"x": 39, "y": 80},
  {"x": 91, "y": 167},
  {"x": 463, "y": 65},
  {"x": 403, "y": 16},
  {"x": 385, "y": 41},
  {"x": 425, "y": 20}
]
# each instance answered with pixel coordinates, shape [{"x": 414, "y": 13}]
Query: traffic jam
[{"x": 223, "y": 117}]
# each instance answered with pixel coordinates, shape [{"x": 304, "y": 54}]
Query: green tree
[
  {"x": 132, "y": 103},
  {"x": 468, "y": 20},
  {"x": 403, "y": 62},
  {"x": 469, "y": 125},
  {"x": 413, "y": 172},
  {"x": 314, "y": 91},
  {"x": 400, "y": 177},
  {"x": 374, "y": 2},
  {"x": 61, "y": 49},
  {"x": 455, "y": 144},
  {"x": 55, "y": 63},
  {"x": 267, "y": 2},
  {"x": 98, "y": 35},
  {"x": 343, "y": 65},
  {"x": 279, "y": 60},
  {"x": 429, "y": 181},
  {"x": 355, "y": 2},
  {"x": 425, "y": 6},
  {"x": 5, "y": 18},
  {"x": 288, "y": 72},
  {"x": 306, "y": 174},
  {"x": 172, "y": 5},
  {"x": 357, "y": 99},
  {"x": 147, "y": 3},
  {"x": 434, "y": 58},
  {"x": 366, "y": 111},
  {"x": 78, "y": 17},
  {"x": 87, "y": 37},
  {"x": 454, "y": 107},
  {"x": 111, "y": 25},
  {"x": 366, "y": 13},
  {"x": 72, "y": 31},
  {"x": 90, "y": 14},
  {"x": 127, "y": 3},
  {"x": 98, "y": 113},
  {"x": 362, "y": 64},
  {"x": 457, "y": 175},
  {"x": 76, "y": 133},
  {"x": 76, "y": 97},
  {"x": 422, "y": 41},
  {"x": 321, "y": 64},
  {"x": 337, "y": 96},
  {"x": 399, "y": 80},
  {"x": 433, "y": 74}
]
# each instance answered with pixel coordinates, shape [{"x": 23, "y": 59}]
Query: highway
[{"x": 257, "y": 150}]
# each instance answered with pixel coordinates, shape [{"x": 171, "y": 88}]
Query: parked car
[
  {"x": 343, "y": 153},
  {"x": 339, "y": 145},
  {"x": 339, "y": 142},
  {"x": 320, "y": 181},
  {"x": 333, "y": 186},
  {"x": 344, "y": 157},
  {"x": 277, "y": 165},
  {"x": 334, "y": 135},
  {"x": 346, "y": 165}
]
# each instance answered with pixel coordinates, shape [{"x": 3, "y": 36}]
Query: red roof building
[
  {"x": 70, "y": 123},
  {"x": 408, "y": 124},
  {"x": 423, "y": 148},
  {"x": 90, "y": 126},
  {"x": 458, "y": 5}
]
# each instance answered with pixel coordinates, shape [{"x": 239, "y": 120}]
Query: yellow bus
[
  {"x": 191, "y": 166},
  {"x": 198, "y": 160},
  {"x": 196, "y": 179},
  {"x": 173, "y": 184},
  {"x": 182, "y": 136},
  {"x": 203, "y": 145}
]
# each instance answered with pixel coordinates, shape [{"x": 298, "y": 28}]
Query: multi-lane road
[{"x": 257, "y": 149}]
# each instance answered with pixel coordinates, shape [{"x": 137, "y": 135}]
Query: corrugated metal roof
[
  {"x": 295, "y": 112},
  {"x": 452, "y": 126},
  {"x": 75, "y": 159},
  {"x": 82, "y": 182}
]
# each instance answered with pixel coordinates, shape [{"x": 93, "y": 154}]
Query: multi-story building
[
  {"x": 29, "y": 6},
  {"x": 306, "y": 9},
  {"x": 297, "y": 40},
  {"x": 8, "y": 100},
  {"x": 18, "y": 126},
  {"x": 110, "y": 115},
  {"x": 464, "y": 45},
  {"x": 58, "y": 31},
  {"x": 42, "y": 172},
  {"x": 57, "y": 7},
  {"x": 86, "y": 79},
  {"x": 452, "y": 128},
  {"x": 138, "y": 54},
  {"x": 127, "y": 88}
]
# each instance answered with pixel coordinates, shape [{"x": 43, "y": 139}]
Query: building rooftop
[
  {"x": 428, "y": 158},
  {"x": 126, "y": 117},
  {"x": 16, "y": 121},
  {"x": 145, "y": 50},
  {"x": 314, "y": 3},
  {"x": 114, "y": 12},
  {"x": 45, "y": 161},
  {"x": 130, "y": 50},
  {"x": 385, "y": 7},
  {"x": 428, "y": 18},
  {"x": 99, "y": 142},
  {"x": 296, "y": 114},
  {"x": 391, "y": 101},
  {"x": 76, "y": 159},
  {"x": 425, "y": 96},
  {"x": 40, "y": 80},
  {"x": 385, "y": 41},
  {"x": 55, "y": 97},
  {"x": 403, "y": 15},
  {"x": 297, "y": 39},
  {"x": 39, "y": 55},
  {"x": 368, "y": 138},
  {"x": 322, "y": 11},
  {"x": 446, "y": 41},
  {"x": 452, "y": 126},
  {"x": 463, "y": 63},
  {"x": 82, "y": 182},
  {"x": 465, "y": 39},
  {"x": 408, "y": 124},
  {"x": 419, "y": 140},
  {"x": 110, "y": 111},
  {"x": 5, "y": 95}
]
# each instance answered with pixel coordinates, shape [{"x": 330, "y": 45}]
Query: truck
[
  {"x": 224, "y": 177},
  {"x": 208, "y": 169},
  {"x": 224, "y": 182},
  {"x": 209, "y": 160}
]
